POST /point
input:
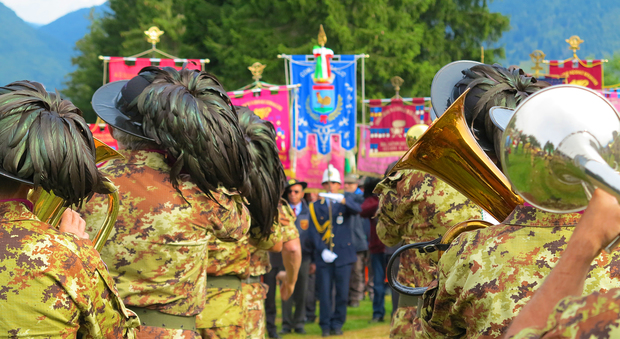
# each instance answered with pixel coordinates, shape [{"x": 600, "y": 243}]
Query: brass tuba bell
[
  {"x": 449, "y": 151},
  {"x": 49, "y": 208}
]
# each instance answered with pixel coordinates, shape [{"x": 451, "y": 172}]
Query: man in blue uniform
[
  {"x": 329, "y": 237},
  {"x": 295, "y": 321}
]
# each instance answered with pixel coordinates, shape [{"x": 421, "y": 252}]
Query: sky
[{"x": 45, "y": 11}]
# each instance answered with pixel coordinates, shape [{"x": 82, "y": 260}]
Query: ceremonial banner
[
  {"x": 102, "y": 132},
  {"x": 367, "y": 165},
  {"x": 588, "y": 73},
  {"x": 120, "y": 71},
  {"x": 389, "y": 125},
  {"x": 311, "y": 163},
  {"x": 326, "y": 108},
  {"x": 272, "y": 106}
]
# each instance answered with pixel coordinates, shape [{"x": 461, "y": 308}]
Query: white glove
[
  {"x": 337, "y": 197},
  {"x": 328, "y": 256}
]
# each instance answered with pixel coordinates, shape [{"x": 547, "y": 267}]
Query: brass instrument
[
  {"x": 49, "y": 208},
  {"x": 449, "y": 151},
  {"x": 561, "y": 143}
]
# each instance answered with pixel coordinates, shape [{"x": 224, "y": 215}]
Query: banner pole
[{"x": 105, "y": 70}]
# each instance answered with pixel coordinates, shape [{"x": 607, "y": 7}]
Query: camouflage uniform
[
  {"x": 413, "y": 207},
  {"x": 53, "y": 284},
  {"x": 224, "y": 315},
  {"x": 157, "y": 250},
  {"x": 488, "y": 275},
  {"x": 255, "y": 293},
  {"x": 594, "y": 316}
]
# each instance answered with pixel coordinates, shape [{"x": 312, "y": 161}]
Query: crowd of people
[{"x": 207, "y": 225}]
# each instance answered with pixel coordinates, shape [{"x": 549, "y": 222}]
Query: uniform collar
[
  {"x": 15, "y": 209},
  {"x": 154, "y": 159},
  {"x": 531, "y": 216}
]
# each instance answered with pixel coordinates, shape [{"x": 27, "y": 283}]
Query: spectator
[
  {"x": 378, "y": 257},
  {"x": 360, "y": 243}
]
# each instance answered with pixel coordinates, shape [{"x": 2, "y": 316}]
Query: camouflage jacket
[
  {"x": 259, "y": 260},
  {"x": 413, "y": 207},
  {"x": 158, "y": 248},
  {"x": 594, "y": 316},
  {"x": 53, "y": 284},
  {"x": 488, "y": 275},
  {"x": 226, "y": 258}
]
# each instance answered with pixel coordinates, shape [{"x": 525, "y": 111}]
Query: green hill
[{"x": 545, "y": 25}]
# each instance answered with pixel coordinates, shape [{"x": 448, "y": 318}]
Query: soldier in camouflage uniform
[
  {"x": 255, "y": 292},
  {"x": 413, "y": 207},
  {"x": 558, "y": 309},
  {"x": 487, "y": 276},
  {"x": 225, "y": 315},
  {"x": 173, "y": 198},
  {"x": 228, "y": 266},
  {"x": 54, "y": 284}
]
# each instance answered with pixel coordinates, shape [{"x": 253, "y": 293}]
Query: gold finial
[
  {"x": 574, "y": 43},
  {"x": 322, "y": 37},
  {"x": 257, "y": 70},
  {"x": 537, "y": 58},
  {"x": 153, "y": 34},
  {"x": 396, "y": 83}
]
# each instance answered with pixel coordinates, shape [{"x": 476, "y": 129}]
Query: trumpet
[{"x": 49, "y": 208}]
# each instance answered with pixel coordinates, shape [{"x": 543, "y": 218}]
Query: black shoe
[
  {"x": 375, "y": 320},
  {"x": 285, "y": 331},
  {"x": 300, "y": 330},
  {"x": 274, "y": 335},
  {"x": 336, "y": 332},
  {"x": 325, "y": 333},
  {"x": 310, "y": 321}
]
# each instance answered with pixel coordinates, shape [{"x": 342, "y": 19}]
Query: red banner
[
  {"x": 271, "y": 106},
  {"x": 102, "y": 132},
  {"x": 389, "y": 125},
  {"x": 121, "y": 71},
  {"x": 588, "y": 73}
]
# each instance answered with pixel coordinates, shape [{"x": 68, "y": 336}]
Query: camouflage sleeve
[
  {"x": 396, "y": 200},
  {"x": 594, "y": 316},
  {"x": 287, "y": 221},
  {"x": 103, "y": 314},
  {"x": 229, "y": 217}
]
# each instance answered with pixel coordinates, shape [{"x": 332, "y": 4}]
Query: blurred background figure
[{"x": 357, "y": 284}]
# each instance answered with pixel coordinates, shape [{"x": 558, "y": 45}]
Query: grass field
[{"x": 356, "y": 327}]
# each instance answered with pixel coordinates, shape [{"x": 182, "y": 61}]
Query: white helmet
[{"x": 331, "y": 174}]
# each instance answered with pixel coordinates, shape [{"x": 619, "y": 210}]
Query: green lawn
[{"x": 356, "y": 327}]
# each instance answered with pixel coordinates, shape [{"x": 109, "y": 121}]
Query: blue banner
[{"x": 325, "y": 108}]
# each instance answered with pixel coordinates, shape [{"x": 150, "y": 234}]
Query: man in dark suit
[
  {"x": 295, "y": 321},
  {"x": 329, "y": 237}
]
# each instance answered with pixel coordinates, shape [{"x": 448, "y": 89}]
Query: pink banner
[
  {"x": 370, "y": 166},
  {"x": 311, "y": 164},
  {"x": 102, "y": 132},
  {"x": 389, "y": 125},
  {"x": 273, "y": 107},
  {"x": 120, "y": 71}
]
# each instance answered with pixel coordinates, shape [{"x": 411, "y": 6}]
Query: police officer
[{"x": 329, "y": 237}]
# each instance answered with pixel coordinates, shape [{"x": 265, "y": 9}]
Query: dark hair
[
  {"x": 369, "y": 185},
  {"x": 190, "y": 116},
  {"x": 266, "y": 175},
  {"x": 44, "y": 139},
  {"x": 492, "y": 86}
]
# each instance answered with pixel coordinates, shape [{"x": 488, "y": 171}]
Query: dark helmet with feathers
[
  {"x": 492, "y": 86},
  {"x": 45, "y": 141},
  {"x": 190, "y": 116},
  {"x": 266, "y": 174}
]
